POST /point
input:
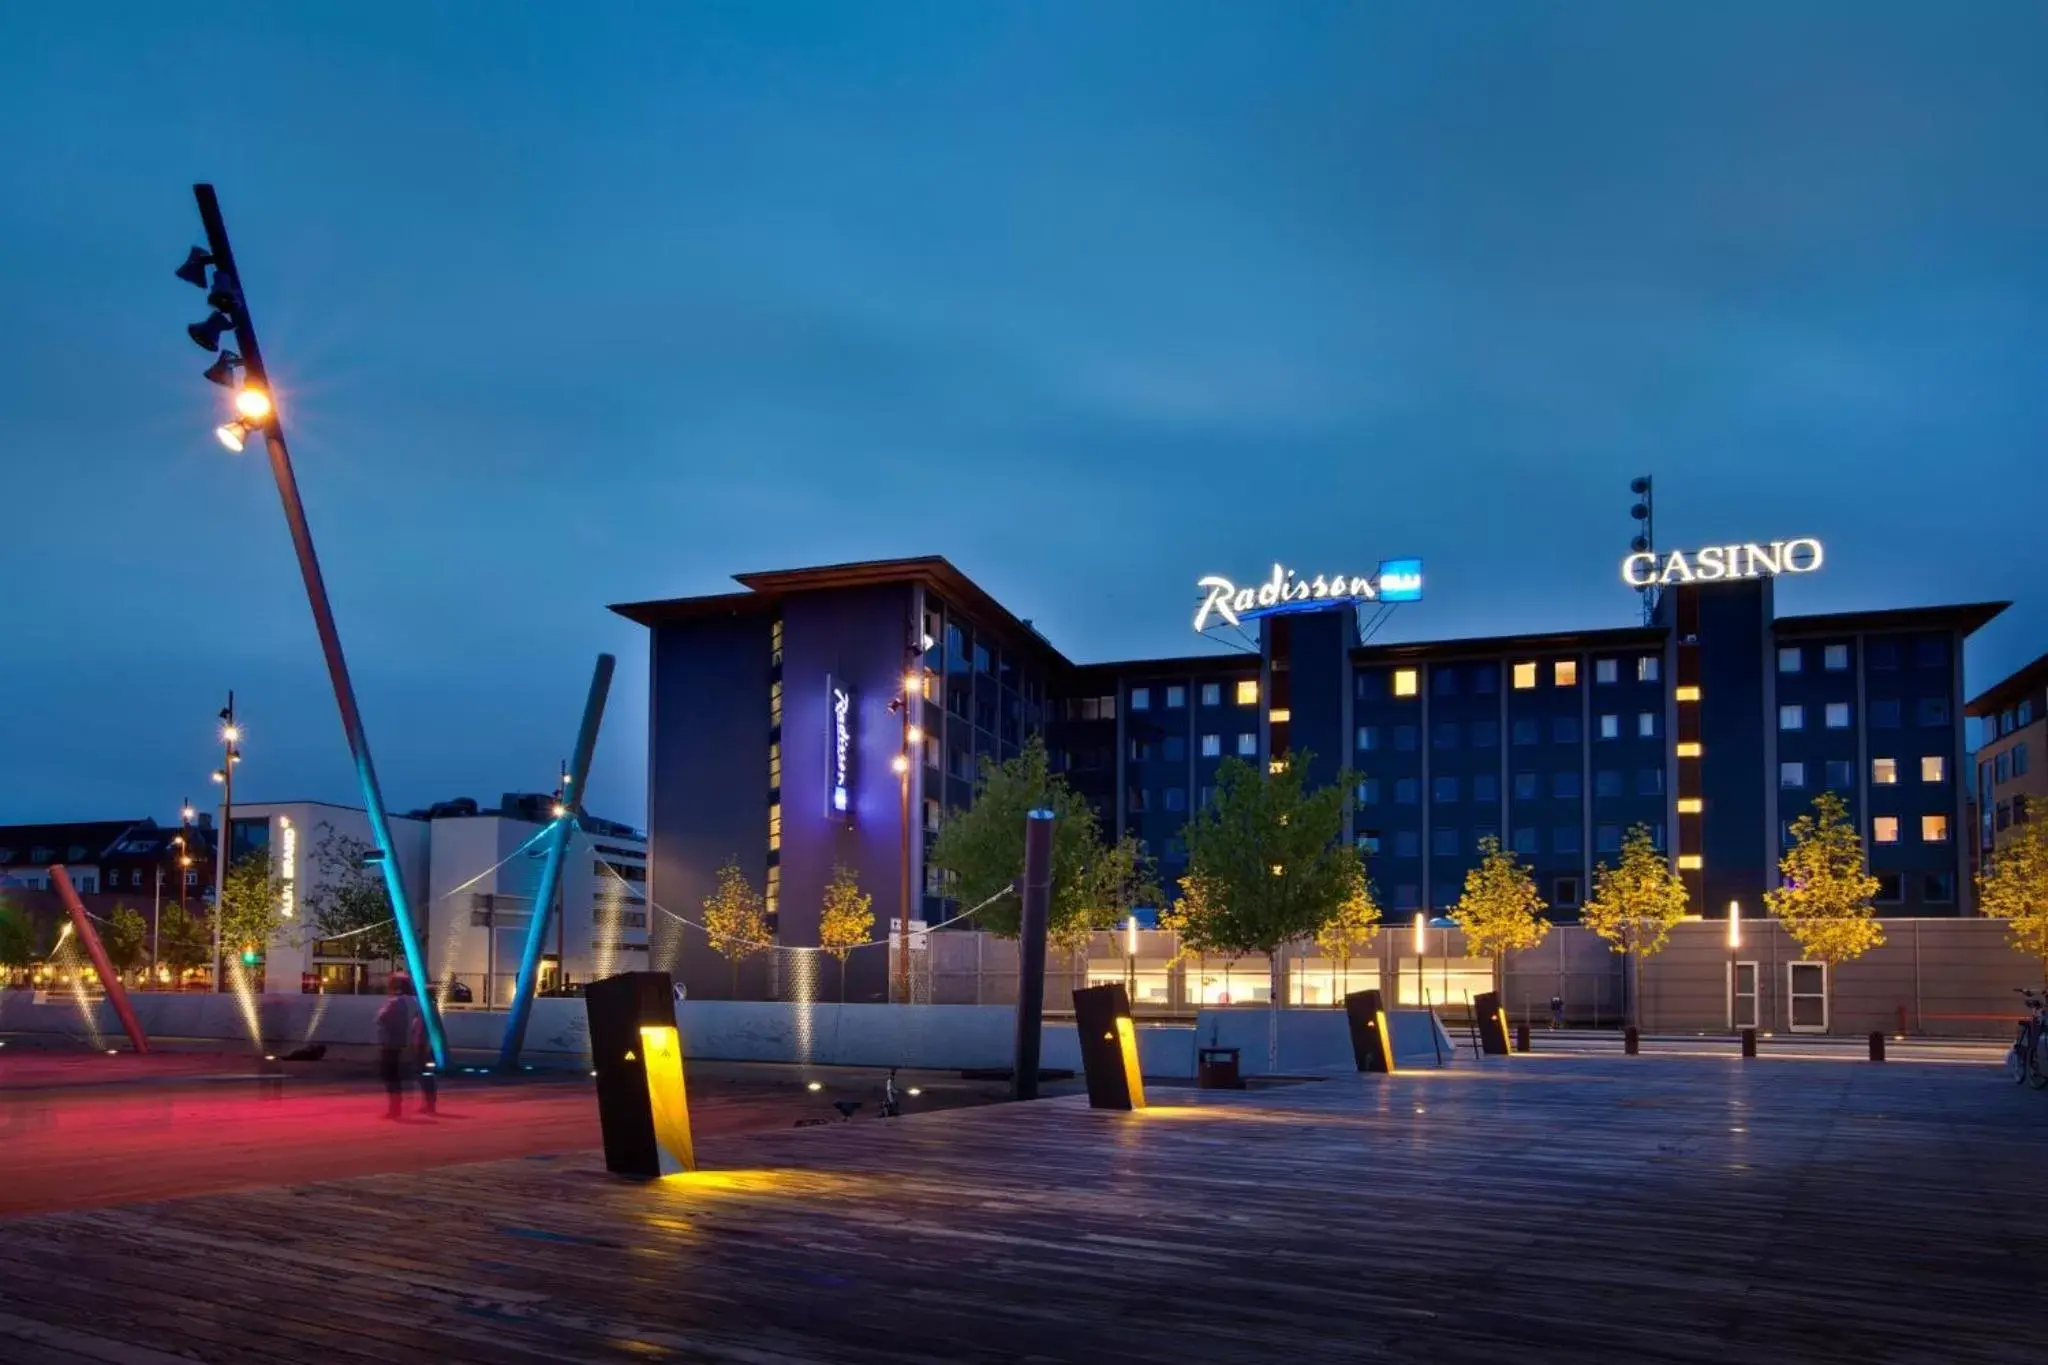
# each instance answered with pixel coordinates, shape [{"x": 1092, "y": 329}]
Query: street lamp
[{"x": 231, "y": 747}]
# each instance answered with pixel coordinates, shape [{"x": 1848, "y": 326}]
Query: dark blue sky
[{"x": 574, "y": 304}]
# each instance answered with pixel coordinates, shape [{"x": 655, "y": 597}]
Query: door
[
  {"x": 1806, "y": 986},
  {"x": 1741, "y": 995}
]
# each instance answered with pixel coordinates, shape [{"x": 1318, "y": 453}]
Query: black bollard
[
  {"x": 1877, "y": 1045},
  {"x": 1749, "y": 1042},
  {"x": 1630, "y": 1044},
  {"x": 1521, "y": 1037}
]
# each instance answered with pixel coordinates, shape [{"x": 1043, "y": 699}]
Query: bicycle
[{"x": 2027, "y": 1059}]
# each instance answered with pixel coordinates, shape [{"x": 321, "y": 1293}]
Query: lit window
[
  {"x": 1690, "y": 805},
  {"x": 1932, "y": 768},
  {"x": 1688, "y": 748},
  {"x": 1605, "y": 671},
  {"x": 1686, "y": 693},
  {"x": 1788, "y": 659},
  {"x": 1838, "y": 715},
  {"x": 1141, "y": 699},
  {"x": 1566, "y": 673},
  {"x": 1610, "y": 727},
  {"x": 1884, "y": 772},
  {"x": 1212, "y": 746},
  {"x": 1276, "y": 765},
  {"x": 1525, "y": 676},
  {"x": 1884, "y": 829},
  {"x": 1248, "y": 692},
  {"x": 1647, "y": 668},
  {"x": 1405, "y": 682},
  {"x": 1835, "y": 658},
  {"x": 1934, "y": 829},
  {"x": 1247, "y": 745},
  {"x": 1791, "y": 774},
  {"x": 1690, "y": 862},
  {"x": 1791, "y": 718},
  {"x": 1280, "y": 715}
]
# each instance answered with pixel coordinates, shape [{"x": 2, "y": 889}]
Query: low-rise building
[{"x": 2011, "y": 777}]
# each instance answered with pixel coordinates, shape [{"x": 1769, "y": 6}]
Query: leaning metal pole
[
  {"x": 559, "y": 838},
  {"x": 1031, "y": 930},
  {"x": 323, "y": 621}
]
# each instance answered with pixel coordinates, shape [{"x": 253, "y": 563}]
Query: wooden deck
[{"x": 1536, "y": 1210}]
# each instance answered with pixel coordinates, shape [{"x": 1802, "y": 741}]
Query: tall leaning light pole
[{"x": 257, "y": 412}]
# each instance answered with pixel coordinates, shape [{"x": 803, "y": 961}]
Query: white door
[
  {"x": 1742, "y": 995},
  {"x": 1806, "y": 988}
]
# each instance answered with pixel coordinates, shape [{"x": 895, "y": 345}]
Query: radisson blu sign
[
  {"x": 839, "y": 753},
  {"x": 1720, "y": 563},
  {"x": 1397, "y": 580}
]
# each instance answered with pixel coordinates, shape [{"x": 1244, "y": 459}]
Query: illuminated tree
[
  {"x": 347, "y": 905},
  {"x": 736, "y": 919},
  {"x": 251, "y": 906},
  {"x": 1500, "y": 911},
  {"x": 1355, "y": 925},
  {"x": 2013, "y": 886},
  {"x": 846, "y": 920},
  {"x": 126, "y": 939},
  {"x": 1634, "y": 905},
  {"x": 1824, "y": 898},
  {"x": 184, "y": 940},
  {"x": 17, "y": 938}
]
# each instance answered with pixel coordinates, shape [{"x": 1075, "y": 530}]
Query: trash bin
[{"x": 1216, "y": 1068}]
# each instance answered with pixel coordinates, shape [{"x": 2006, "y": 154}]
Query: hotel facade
[{"x": 832, "y": 716}]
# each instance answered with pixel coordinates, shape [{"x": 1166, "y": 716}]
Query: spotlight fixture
[
  {"x": 253, "y": 404},
  {"x": 899, "y": 765},
  {"x": 219, "y": 776},
  {"x": 226, "y": 295},
  {"x": 206, "y": 335},
  {"x": 1641, "y": 512},
  {"x": 193, "y": 272},
  {"x": 233, "y": 435},
  {"x": 222, "y": 370},
  {"x": 1639, "y": 485}
]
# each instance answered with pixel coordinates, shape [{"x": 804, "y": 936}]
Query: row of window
[
  {"x": 1935, "y": 888},
  {"x": 2006, "y": 766},
  {"x": 1484, "y": 679},
  {"x": 1485, "y": 787},
  {"x": 1884, "y": 772},
  {"x": 1485, "y": 734},
  {"x": 2014, "y": 717},
  {"x": 1884, "y": 829},
  {"x": 1244, "y": 692}
]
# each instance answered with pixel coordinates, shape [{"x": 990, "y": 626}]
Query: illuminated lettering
[
  {"x": 842, "y": 746},
  {"x": 1717, "y": 563},
  {"x": 1223, "y": 601},
  {"x": 288, "y": 868}
]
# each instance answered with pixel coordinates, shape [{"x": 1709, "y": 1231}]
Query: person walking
[
  {"x": 395, "y": 1023},
  {"x": 422, "y": 1059}
]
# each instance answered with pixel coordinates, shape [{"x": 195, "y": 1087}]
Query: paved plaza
[{"x": 1545, "y": 1208}]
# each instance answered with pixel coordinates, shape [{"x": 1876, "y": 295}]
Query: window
[
  {"x": 1649, "y": 782},
  {"x": 1606, "y": 670},
  {"x": 1834, "y": 658},
  {"x": 1371, "y": 685},
  {"x": 1407, "y": 844},
  {"x": 1565, "y": 839},
  {"x": 2025, "y": 714},
  {"x": 1443, "y": 680},
  {"x": 1646, "y": 724},
  {"x": 1791, "y": 718},
  {"x": 1931, "y": 711},
  {"x": 1932, "y": 768},
  {"x": 1407, "y": 896},
  {"x": 1938, "y": 886},
  {"x": 1369, "y": 842},
  {"x": 1404, "y": 682},
  {"x": 1486, "y": 679},
  {"x": 1485, "y": 734},
  {"x": 1176, "y": 697},
  {"x": 1525, "y": 840},
  {"x": 2004, "y": 814},
  {"x": 1882, "y": 653},
  {"x": 1525, "y": 676},
  {"x": 1565, "y": 673},
  {"x": 1368, "y": 737},
  {"x": 1607, "y": 839},
  {"x": 1135, "y": 800},
  {"x": 1607, "y": 782},
  {"x": 1564, "y": 785},
  {"x": 1838, "y": 715},
  {"x": 1788, "y": 659},
  {"x": 1565, "y": 892},
  {"x": 1173, "y": 749},
  {"x": 1369, "y": 791},
  {"x": 1248, "y": 692},
  {"x": 1527, "y": 732},
  {"x": 1485, "y": 787},
  {"x": 1525, "y": 786},
  {"x": 1647, "y": 668},
  {"x": 1934, "y": 829},
  {"x": 1248, "y": 745},
  {"x": 1890, "y": 889},
  {"x": 1406, "y": 738},
  {"x": 2019, "y": 760},
  {"x": 1884, "y": 715},
  {"x": 1141, "y": 699},
  {"x": 2000, "y": 770},
  {"x": 1565, "y": 729},
  {"x": 1407, "y": 791},
  {"x": 1212, "y": 746},
  {"x": 1884, "y": 772},
  {"x": 1791, "y": 774},
  {"x": 1443, "y": 790},
  {"x": 1444, "y": 735},
  {"x": 1212, "y": 694},
  {"x": 1884, "y": 829},
  {"x": 1443, "y": 843},
  {"x": 1930, "y": 651},
  {"x": 1610, "y": 727},
  {"x": 1141, "y": 749},
  {"x": 1176, "y": 798},
  {"x": 1840, "y": 774}
]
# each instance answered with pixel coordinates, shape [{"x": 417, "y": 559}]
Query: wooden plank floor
[{"x": 1534, "y": 1210}]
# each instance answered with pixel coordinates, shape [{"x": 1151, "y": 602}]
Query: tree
[
  {"x": 1352, "y": 929},
  {"x": 736, "y": 919},
  {"x": 17, "y": 938},
  {"x": 1634, "y": 904},
  {"x": 348, "y": 904},
  {"x": 982, "y": 850},
  {"x": 1824, "y": 899},
  {"x": 184, "y": 940},
  {"x": 251, "y": 906},
  {"x": 846, "y": 920},
  {"x": 126, "y": 939},
  {"x": 1269, "y": 865},
  {"x": 1500, "y": 911},
  {"x": 2013, "y": 886}
]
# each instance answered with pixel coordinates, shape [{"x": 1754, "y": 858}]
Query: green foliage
[
  {"x": 1635, "y": 903},
  {"x": 1824, "y": 901},
  {"x": 2013, "y": 886},
  {"x": 1356, "y": 924},
  {"x": 184, "y": 940},
  {"x": 846, "y": 919},
  {"x": 251, "y": 906},
  {"x": 17, "y": 937},
  {"x": 1500, "y": 911},
  {"x": 736, "y": 917},
  {"x": 1267, "y": 862},
  {"x": 981, "y": 850},
  {"x": 126, "y": 939},
  {"x": 348, "y": 900}
]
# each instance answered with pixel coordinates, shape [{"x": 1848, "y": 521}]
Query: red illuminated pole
[{"x": 110, "y": 980}]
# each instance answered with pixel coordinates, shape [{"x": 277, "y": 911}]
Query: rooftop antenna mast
[{"x": 1645, "y": 541}]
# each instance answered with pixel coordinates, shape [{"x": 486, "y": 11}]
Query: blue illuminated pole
[
  {"x": 227, "y": 286},
  {"x": 558, "y": 836}
]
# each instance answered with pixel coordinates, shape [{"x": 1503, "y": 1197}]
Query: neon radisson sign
[
  {"x": 1717, "y": 563},
  {"x": 1397, "y": 580},
  {"x": 841, "y": 699}
]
